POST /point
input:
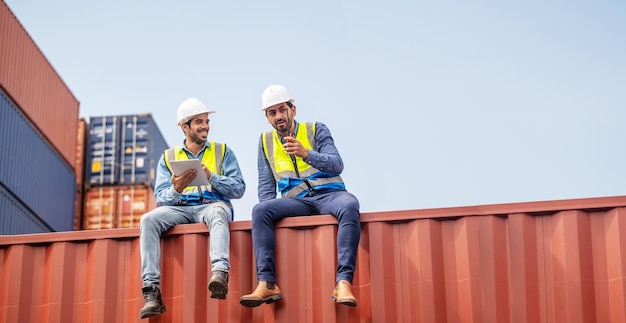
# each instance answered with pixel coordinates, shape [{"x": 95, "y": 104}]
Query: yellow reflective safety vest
[
  {"x": 212, "y": 159},
  {"x": 294, "y": 177}
]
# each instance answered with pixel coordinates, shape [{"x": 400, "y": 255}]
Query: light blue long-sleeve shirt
[
  {"x": 325, "y": 158},
  {"x": 231, "y": 184}
]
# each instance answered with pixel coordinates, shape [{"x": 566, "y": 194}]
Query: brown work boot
[
  {"x": 343, "y": 294},
  {"x": 265, "y": 292},
  {"x": 218, "y": 285},
  {"x": 154, "y": 304}
]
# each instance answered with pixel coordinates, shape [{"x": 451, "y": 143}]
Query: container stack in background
[
  {"x": 121, "y": 156},
  {"x": 38, "y": 123},
  {"x": 59, "y": 172}
]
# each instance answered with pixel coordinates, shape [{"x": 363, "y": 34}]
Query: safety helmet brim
[{"x": 185, "y": 120}]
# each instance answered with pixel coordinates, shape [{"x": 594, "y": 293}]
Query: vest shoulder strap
[
  {"x": 168, "y": 156},
  {"x": 220, "y": 152}
]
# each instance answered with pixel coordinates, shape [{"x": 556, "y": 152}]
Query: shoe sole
[
  {"x": 218, "y": 289},
  {"x": 254, "y": 302},
  {"x": 350, "y": 303},
  {"x": 145, "y": 314}
]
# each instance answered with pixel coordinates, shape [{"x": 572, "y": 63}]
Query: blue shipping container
[
  {"x": 33, "y": 171},
  {"x": 16, "y": 218},
  {"x": 142, "y": 145},
  {"x": 103, "y": 151}
]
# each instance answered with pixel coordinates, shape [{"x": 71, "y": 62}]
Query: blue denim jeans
[
  {"x": 216, "y": 215},
  {"x": 343, "y": 205}
]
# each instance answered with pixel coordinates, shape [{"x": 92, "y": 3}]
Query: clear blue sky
[{"x": 430, "y": 103}]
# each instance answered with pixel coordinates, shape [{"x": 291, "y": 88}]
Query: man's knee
[
  {"x": 348, "y": 206},
  {"x": 217, "y": 213},
  {"x": 261, "y": 210},
  {"x": 147, "y": 220},
  {"x": 351, "y": 203},
  {"x": 347, "y": 201}
]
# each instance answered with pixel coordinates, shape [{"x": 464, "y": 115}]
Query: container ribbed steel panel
[
  {"x": 103, "y": 151},
  {"x": 16, "y": 218},
  {"x": 550, "y": 261},
  {"x": 142, "y": 145},
  {"x": 35, "y": 87},
  {"x": 33, "y": 170}
]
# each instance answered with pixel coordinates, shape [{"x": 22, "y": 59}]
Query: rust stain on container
[
  {"x": 553, "y": 261},
  {"x": 81, "y": 140},
  {"x": 36, "y": 88}
]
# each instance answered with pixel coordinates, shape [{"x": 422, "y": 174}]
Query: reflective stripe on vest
[
  {"x": 212, "y": 159},
  {"x": 289, "y": 183}
]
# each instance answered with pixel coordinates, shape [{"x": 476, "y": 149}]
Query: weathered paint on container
[
  {"x": 142, "y": 145},
  {"x": 103, "y": 151},
  {"x": 550, "y": 261},
  {"x": 117, "y": 206},
  {"x": 81, "y": 145},
  {"x": 16, "y": 218},
  {"x": 33, "y": 170},
  {"x": 35, "y": 87},
  {"x": 78, "y": 209}
]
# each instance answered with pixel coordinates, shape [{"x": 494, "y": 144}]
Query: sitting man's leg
[
  {"x": 345, "y": 207},
  {"x": 151, "y": 226},
  {"x": 216, "y": 215}
]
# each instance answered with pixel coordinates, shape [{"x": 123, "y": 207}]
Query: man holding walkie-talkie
[{"x": 299, "y": 160}]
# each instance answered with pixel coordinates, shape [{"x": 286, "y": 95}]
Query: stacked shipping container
[
  {"x": 122, "y": 154},
  {"x": 103, "y": 151},
  {"x": 34, "y": 173},
  {"x": 37, "y": 177},
  {"x": 102, "y": 177},
  {"x": 141, "y": 146},
  {"x": 118, "y": 206},
  {"x": 35, "y": 87},
  {"x": 123, "y": 150}
]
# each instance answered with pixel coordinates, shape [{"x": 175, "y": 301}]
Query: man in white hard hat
[
  {"x": 299, "y": 160},
  {"x": 178, "y": 203}
]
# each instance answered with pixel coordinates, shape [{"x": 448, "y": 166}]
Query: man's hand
[
  {"x": 180, "y": 182},
  {"x": 294, "y": 147},
  {"x": 207, "y": 172}
]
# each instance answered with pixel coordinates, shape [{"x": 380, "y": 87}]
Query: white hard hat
[
  {"x": 275, "y": 94},
  {"x": 189, "y": 109}
]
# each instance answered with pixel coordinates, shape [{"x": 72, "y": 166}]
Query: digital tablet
[{"x": 180, "y": 166}]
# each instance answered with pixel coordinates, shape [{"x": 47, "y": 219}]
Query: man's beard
[
  {"x": 283, "y": 129},
  {"x": 196, "y": 139}
]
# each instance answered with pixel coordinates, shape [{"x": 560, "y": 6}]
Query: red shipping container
[
  {"x": 550, "y": 261},
  {"x": 36, "y": 88},
  {"x": 119, "y": 206},
  {"x": 99, "y": 211},
  {"x": 133, "y": 202}
]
